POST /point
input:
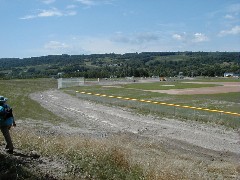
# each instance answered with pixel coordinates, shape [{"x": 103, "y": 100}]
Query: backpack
[{"x": 6, "y": 115}]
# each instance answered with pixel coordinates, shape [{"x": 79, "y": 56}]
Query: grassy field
[
  {"x": 91, "y": 158},
  {"x": 86, "y": 158},
  {"x": 166, "y": 85},
  {"x": 228, "y": 102},
  {"x": 17, "y": 91},
  {"x": 136, "y": 90}
]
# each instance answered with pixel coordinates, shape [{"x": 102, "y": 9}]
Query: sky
[{"x": 31, "y": 28}]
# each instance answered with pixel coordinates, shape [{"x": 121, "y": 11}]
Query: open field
[
  {"x": 64, "y": 137},
  {"x": 226, "y": 98},
  {"x": 224, "y": 87}
]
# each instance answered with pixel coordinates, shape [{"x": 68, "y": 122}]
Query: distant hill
[{"x": 143, "y": 64}]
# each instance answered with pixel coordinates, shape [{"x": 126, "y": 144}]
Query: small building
[
  {"x": 60, "y": 74},
  {"x": 230, "y": 74}
]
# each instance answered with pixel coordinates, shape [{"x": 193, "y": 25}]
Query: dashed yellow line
[{"x": 162, "y": 103}]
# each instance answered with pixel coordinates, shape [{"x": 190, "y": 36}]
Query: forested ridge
[{"x": 145, "y": 64}]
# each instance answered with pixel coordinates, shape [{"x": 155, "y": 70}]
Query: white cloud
[
  {"x": 48, "y": 1},
  {"x": 144, "y": 37},
  {"x": 233, "y": 31},
  {"x": 177, "y": 37},
  {"x": 92, "y": 45},
  {"x": 104, "y": 44},
  {"x": 229, "y": 16},
  {"x": 87, "y": 2},
  {"x": 101, "y": 45},
  {"x": 199, "y": 37},
  {"x": 56, "y": 47},
  {"x": 94, "y": 2},
  {"x": 232, "y": 13},
  {"x": 71, "y": 6},
  {"x": 69, "y": 10},
  {"x": 188, "y": 38},
  {"x": 71, "y": 13},
  {"x": 28, "y": 17},
  {"x": 50, "y": 13}
]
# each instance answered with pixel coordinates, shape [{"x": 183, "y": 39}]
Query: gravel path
[{"x": 98, "y": 120}]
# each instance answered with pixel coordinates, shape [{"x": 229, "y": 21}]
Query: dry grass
[
  {"x": 119, "y": 157},
  {"x": 86, "y": 157}
]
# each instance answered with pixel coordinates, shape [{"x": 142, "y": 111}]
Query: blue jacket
[{"x": 6, "y": 116}]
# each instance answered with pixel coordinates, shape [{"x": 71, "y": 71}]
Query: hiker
[{"x": 6, "y": 122}]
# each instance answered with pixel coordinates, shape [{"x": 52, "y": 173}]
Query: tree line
[{"x": 145, "y": 64}]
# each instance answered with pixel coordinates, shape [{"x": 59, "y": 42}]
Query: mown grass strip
[{"x": 163, "y": 103}]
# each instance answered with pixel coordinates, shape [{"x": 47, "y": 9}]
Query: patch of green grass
[
  {"x": 173, "y": 58},
  {"x": 116, "y": 91},
  {"x": 229, "y": 97},
  {"x": 224, "y": 101},
  {"x": 217, "y": 79},
  {"x": 166, "y": 85},
  {"x": 18, "y": 91}
]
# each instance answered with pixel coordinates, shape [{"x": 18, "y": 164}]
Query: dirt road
[{"x": 101, "y": 121}]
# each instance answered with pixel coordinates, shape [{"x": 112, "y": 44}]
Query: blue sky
[{"x": 45, "y": 27}]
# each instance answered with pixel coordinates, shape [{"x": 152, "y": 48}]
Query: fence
[
  {"x": 70, "y": 82},
  {"x": 167, "y": 109}
]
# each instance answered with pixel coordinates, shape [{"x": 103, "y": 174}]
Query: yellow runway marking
[{"x": 163, "y": 103}]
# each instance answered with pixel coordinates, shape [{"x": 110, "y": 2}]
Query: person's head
[{"x": 3, "y": 100}]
